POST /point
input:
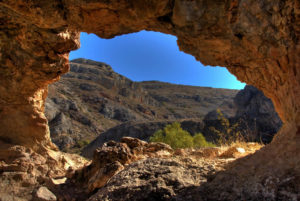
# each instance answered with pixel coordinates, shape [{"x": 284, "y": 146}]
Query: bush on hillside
[
  {"x": 176, "y": 137},
  {"x": 200, "y": 141},
  {"x": 228, "y": 133}
]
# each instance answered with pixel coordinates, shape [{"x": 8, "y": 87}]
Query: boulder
[
  {"x": 151, "y": 179},
  {"x": 210, "y": 152},
  {"x": 113, "y": 156},
  {"x": 44, "y": 194},
  {"x": 233, "y": 152},
  {"x": 142, "y": 130}
]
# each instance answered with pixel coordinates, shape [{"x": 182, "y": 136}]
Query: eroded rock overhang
[{"x": 258, "y": 41}]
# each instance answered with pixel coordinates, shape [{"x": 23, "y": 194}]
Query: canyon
[
  {"x": 94, "y": 101},
  {"x": 257, "y": 41},
  {"x": 92, "y": 98}
]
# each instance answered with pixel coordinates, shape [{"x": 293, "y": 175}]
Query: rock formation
[
  {"x": 134, "y": 169},
  {"x": 140, "y": 130},
  {"x": 112, "y": 157},
  {"x": 258, "y": 41},
  {"x": 92, "y": 98},
  {"x": 251, "y": 111},
  {"x": 28, "y": 175}
]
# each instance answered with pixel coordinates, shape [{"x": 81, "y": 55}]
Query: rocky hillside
[
  {"x": 92, "y": 98},
  {"x": 251, "y": 111},
  {"x": 136, "y": 170},
  {"x": 140, "y": 130}
]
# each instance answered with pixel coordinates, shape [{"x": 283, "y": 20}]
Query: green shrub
[
  {"x": 82, "y": 143},
  {"x": 171, "y": 110},
  {"x": 176, "y": 137},
  {"x": 200, "y": 141},
  {"x": 228, "y": 133}
]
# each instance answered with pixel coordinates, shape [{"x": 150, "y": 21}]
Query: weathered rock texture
[
  {"x": 112, "y": 157},
  {"x": 153, "y": 179},
  {"x": 136, "y": 170},
  {"x": 140, "y": 130},
  {"x": 92, "y": 98},
  {"x": 26, "y": 174},
  {"x": 251, "y": 111},
  {"x": 258, "y": 41}
]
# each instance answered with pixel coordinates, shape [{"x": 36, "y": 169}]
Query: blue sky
[{"x": 148, "y": 55}]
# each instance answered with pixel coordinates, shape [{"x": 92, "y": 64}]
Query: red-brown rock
[{"x": 258, "y": 41}]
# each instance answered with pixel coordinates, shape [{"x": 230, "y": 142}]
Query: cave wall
[{"x": 257, "y": 40}]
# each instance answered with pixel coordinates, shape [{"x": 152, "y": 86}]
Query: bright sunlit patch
[{"x": 148, "y": 55}]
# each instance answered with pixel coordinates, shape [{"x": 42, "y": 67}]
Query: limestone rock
[
  {"x": 24, "y": 171},
  {"x": 210, "y": 152},
  {"x": 141, "y": 130},
  {"x": 113, "y": 156},
  {"x": 151, "y": 179},
  {"x": 157, "y": 146},
  {"x": 59, "y": 180},
  {"x": 43, "y": 194},
  {"x": 233, "y": 152},
  {"x": 92, "y": 98},
  {"x": 258, "y": 41},
  {"x": 133, "y": 142},
  {"x": 259, "y": 113},
  {"x": 103, "y": 175},
  {"x": 252, "y": 111}
]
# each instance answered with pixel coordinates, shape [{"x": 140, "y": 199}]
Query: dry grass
[
  {"x": 235, "y": 150},
  {"x": 250, "y": 147}
]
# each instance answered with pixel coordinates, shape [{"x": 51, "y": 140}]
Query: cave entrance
[
  {"x": 258, "y": 41},
  {"x": 144, "y": 78}
]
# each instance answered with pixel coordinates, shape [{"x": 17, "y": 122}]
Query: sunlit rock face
[{"x": 258, "y": 41}]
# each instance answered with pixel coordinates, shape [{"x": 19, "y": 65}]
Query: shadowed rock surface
[{"x": 252, "y": 111}]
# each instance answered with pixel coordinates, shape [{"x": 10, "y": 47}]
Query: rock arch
[{"x": 258, "y": 41}]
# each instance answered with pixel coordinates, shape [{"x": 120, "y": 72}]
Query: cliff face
[
  {"x": 257, "y": 110},
  {"x": 92, "y": 98},
  {"x": 251, "y": 111},
  {"x": 258, "y": 41}
]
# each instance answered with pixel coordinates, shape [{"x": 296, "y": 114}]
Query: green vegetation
[
  {"x": 176, "y": 137},
  {"x": 228, "y": 133},
  {"x": 76, "y": 149},
  {"x": 82, "y": 143},
  {"x": 225, "y": 134},
  {"x": 200, "y": 141},
  {"x": 171, "y": 110}
]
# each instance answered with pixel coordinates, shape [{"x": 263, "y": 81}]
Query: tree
[
  {"x": 176, "y": 137},
  {"x": 200, "y": 141},
  {"x": 228, "y": 133}
]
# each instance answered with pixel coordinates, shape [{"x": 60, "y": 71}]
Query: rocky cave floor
[{"x": 129, "y": 170}]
